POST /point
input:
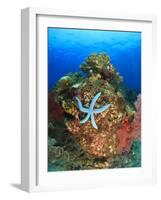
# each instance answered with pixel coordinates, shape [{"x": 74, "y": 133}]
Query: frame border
[{"x": 29, "y": 174}]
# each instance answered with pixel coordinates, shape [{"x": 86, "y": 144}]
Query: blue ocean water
[{"x": 68, "y": 48}]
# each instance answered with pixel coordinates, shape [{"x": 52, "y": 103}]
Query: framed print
[{"x": 86, "y": 100}]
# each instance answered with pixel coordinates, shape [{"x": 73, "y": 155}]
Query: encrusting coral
[{"x": 118, "y": 126}]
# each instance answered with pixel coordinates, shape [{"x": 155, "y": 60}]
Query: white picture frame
[{"x": 34, "y": 176}]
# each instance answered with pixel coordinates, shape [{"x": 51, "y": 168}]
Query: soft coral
[
  {"x": 124, "y": 136},
  {"x": 130, "y": 131},
  {"x": 56, "y": 112}
]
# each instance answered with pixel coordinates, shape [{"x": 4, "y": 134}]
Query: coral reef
[
  {"x": 114, "y": 142},
  {"x": 100, "y": 64},
  {"x": 136, "y": 124},
  {"x": 128, "y": 159},
  {"x": 130, "y": 131},
  {"x": 55, "y": 110}
]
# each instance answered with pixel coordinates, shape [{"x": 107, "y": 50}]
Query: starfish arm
[
  {"x": 85, "y": 119},
  {"x": 93, "y": 121},
  {"x": 83, "y": 109},
  {"x": 94, "y": 100},
  {"x": 102, "y": 109}
]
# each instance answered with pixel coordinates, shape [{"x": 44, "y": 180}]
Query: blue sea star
[{"x": 91, "y": 111}]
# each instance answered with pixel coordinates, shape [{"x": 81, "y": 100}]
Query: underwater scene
[{"x": 94, "y": 99}]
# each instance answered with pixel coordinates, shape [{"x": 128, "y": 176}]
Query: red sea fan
[
  {"x": 124, "y": 137},
  {"x": 56, "y": 112},
  {"x": 136, "y": 124},
  {"x": 130, "y": 131}
]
